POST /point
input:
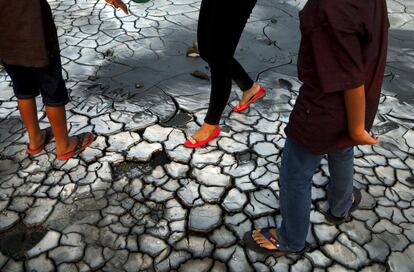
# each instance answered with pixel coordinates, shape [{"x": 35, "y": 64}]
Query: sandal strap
[
  {"x": 357, "y": 199},
  {"x": 48, "y": 137},
  {"x": 191, "y": 139},
  {"x": 270, "y": 237},
  {"x": 79, "y": 143}
]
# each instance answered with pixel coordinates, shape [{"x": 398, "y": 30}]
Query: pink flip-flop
[
  {"x": 261, "y": 93},
  {"x": 192, "y": 143}
]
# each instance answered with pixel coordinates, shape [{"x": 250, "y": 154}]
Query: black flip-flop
[
  {"x": 334, "y": 220},
  {"x": 251, "y": 244}
]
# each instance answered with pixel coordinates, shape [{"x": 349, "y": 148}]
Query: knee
[{"x": 220, "y": 65}]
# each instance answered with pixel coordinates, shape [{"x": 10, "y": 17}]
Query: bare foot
[
  {"x": 262, "y": 241},
  {"x": 204, "y": 132},
  {"x": 38, "y": 140},
  {"x": 247, "y": 95},
  {"x": 70, "y": 145}
]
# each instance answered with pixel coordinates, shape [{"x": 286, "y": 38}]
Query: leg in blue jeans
[
  {"x": 297, "y": 169},
  {"x": 340, "y": 187}
]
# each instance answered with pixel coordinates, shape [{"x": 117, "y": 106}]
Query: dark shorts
[{"x": 47, "y": 81}]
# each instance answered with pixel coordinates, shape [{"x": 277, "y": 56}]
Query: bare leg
[
  {"x": 207, "y": 129},
  {"x": 57, "y": 119},
  {"x": 28, "y": 113},
  {"x": 247, "y": 95}
]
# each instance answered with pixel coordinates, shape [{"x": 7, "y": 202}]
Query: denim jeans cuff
[{"x": 283, "y": 245}]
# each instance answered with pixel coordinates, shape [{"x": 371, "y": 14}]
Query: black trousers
[{"x": 220, "y": 25}]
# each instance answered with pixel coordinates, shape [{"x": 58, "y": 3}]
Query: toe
[
  {"x": 261, "y": 240},
  {"x": 267, "y": 245}
]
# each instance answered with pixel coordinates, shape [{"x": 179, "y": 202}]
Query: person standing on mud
[
  {"x": 341, "y": 63},
  {"x": 220, "y": 26},
  {"x": 29, "y": 51}
]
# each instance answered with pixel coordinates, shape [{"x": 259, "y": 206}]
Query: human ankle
[
  {"x": 36, "y": 139},
  {"x": 210, "y": 129},
  {"x": 208, "y": 126},
  {"x": 254, "y": 88},
  {"x": 204, "y": 131},
  {"x": 63, "y": 146}
]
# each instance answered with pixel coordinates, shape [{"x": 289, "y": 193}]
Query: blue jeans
[{"x": 297, "y": 169}]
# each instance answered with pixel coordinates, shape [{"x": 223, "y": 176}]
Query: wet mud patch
[
  {"x": 384, "y": 128},
  {"x": 85, "y": 206},
  {"x": 16, "y": 241},
  {"x": 178, "y": 121},
  {"x": 156, "y": 211},
  {"x": 4, "y": 157},
  {"x": 225, "y": 129},
  {"x": 159, "y": 159},
  {"x": 410, "y": 180},
  {"x": 129, "y": 169},
  {"x": 247, "y": 156},
  {"x": 285, "y": 84},
  {"x": 7, "y": 166},
  {"x": 132, "y": 169}
]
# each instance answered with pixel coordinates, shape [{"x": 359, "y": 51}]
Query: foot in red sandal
[
  {"x": 258, "y": 95},
  {"x": 83, "y": 140},
  {"x": 48, "y": 136},
  {"x": 193, "y": 143}
]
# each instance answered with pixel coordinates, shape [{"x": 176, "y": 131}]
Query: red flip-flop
[
  {"x": 79, "y": 148},
  {"x": 48, "y": 137},
  {"x": 192, "y": 143},
  {"x": 261, "y": 93}
]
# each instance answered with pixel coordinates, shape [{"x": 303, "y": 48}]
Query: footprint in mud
[
  {"x": 133, "y": 169},
  {"x": 285, "y": 84},
  {"x": 246, "y": 156},
  {"x": 178, "y": 121},
  {"x": 384, "y": 128}
]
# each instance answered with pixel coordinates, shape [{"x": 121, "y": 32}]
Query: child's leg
[
  {"x": 297, "y": 169},
  {"x": 55, "y": 97},
  {"x": 28, "y": 113},
  {"x": 26, "y": 89},
  {"x": 340, "y": 187},
  {"x": 57, "y": 119}
]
